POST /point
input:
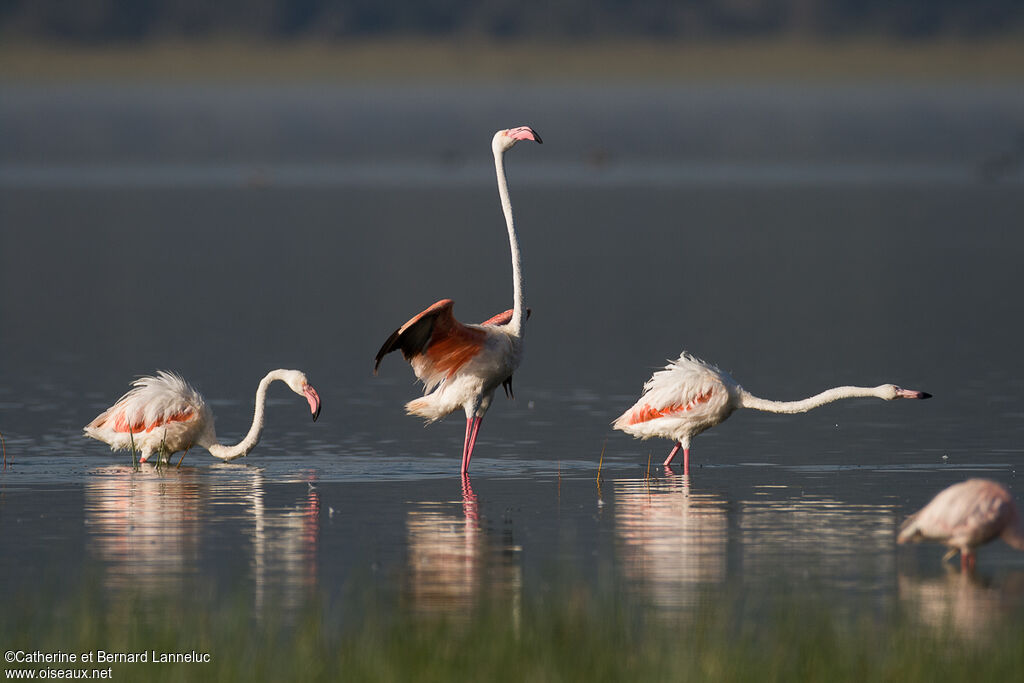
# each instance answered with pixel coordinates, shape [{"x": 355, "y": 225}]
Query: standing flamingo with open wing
[
  {"x": 461, "y": 365},
  {"x": 965, "y": 516},
  {"x": 690, "y": 396},
  {"x": 164, "y": 415}
]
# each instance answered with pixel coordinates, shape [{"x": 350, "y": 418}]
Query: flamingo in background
[
  {"x": 965, "y": 516},
  {"x": 164, "y": 415},
  {"x": 690, "y": 396},
  {"x": 461, "y": 365}
]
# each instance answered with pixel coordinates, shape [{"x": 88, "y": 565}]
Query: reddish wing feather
[
  {"x": 435, "y": 341},
  {"x": 501, "y": 319},
  {"x": 504, "y": 318},
  {"x": 646, "y": 413},
  {"x": 121, "y": 422}
]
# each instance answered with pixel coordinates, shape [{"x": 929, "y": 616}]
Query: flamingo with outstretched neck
[
  {"x": 689, "y": 396},
  {"x": 163, "y": 414},
  {"x": 965, "y": 516},
  {"x": 461, "y": 365}
]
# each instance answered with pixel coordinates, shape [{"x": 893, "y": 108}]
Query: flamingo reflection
[
  {"x": 147, "y": 527},
  {"x": 285, "y": 542},
  {"x": 672, "y": 539},
  {"x": 454, "y": 561},
  {"x": 795, "y": 537},
  {"x": 961, "y": 602}
]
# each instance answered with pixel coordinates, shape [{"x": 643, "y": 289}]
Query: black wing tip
[{"x": 386, "y": 348}]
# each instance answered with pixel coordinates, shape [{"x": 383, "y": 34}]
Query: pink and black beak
[
  {"x": 314, "y": 400},
  {"x": 910, "y": 393},
  {"x": 524, "y": 133}
]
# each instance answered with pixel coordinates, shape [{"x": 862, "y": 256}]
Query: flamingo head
[
  {"x": 891, "y": 391},
  {"x": 298, "y": 383},
  {"x": 506, "y": 139}
]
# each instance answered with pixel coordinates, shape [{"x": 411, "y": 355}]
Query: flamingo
[
  {"x": 164, "y": 415},
  {"x": 965, "y": 516},
  {"x": 690, "y": 396},
  {"x": 461, "y": 365}
]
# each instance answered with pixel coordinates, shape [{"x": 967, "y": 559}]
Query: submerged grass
[
  {"x": 571, "y": 638},
  {"x": 135, "y": 452}
]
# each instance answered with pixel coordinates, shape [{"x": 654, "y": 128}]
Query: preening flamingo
[
  {"x": 690, "y": 396},
  {"x": 164, "y": 415},
  {"x": 965, "y": 516},
  {"x": 461, "y": 365}
]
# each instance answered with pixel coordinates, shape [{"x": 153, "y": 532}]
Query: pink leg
[
  {"x": 686, "y": 461},
  {"x": 967, "y": 562},
  {"x": 465, "y": 443},
  {"x": 675, "y": 449},
  {"x": 472, "y": 442}
]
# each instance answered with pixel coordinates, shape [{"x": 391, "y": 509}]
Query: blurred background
[
  {"x": 332, "y": 38},
  {"x": 95, "y": 21}
]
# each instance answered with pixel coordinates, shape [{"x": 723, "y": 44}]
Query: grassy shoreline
[
  {"x": 568, "y": 639},
  {"x": 998, "y": 60}
]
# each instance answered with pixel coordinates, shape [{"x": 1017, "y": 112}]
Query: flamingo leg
[
  {"x": 672, "y": 454},
  {"x": 686, "y": 461},
  {"x": 465, "y": 442},
  {"x": 470, "y": 442},
  {"x": 967, "y": 561}
]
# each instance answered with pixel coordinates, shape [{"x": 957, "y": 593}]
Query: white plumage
[
  {"x": 461, "y": 365},
  {"x": 163, "y": 414},
  {"x": 690, "y": 396},
  {"x": 965, "y": 516}
]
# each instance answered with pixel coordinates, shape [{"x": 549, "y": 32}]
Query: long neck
[
  {"x": 748, "y": 400},
  {"x": 243, "y": 447},
  {"x": 1014, "y": 534},
  {"x": 518, "y": 310}
]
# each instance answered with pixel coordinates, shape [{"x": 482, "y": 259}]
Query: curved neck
[
  {"x": 1014, "y": 534},
  {"x": 243, "y": 447},
  {"x": 515, "y": 325},
  {"x": 748, "y": 400}
]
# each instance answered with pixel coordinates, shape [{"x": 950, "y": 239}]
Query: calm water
[{"x": 799, "y": 237}]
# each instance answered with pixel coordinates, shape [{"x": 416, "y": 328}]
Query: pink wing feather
[{"x": 152, "y": 402}]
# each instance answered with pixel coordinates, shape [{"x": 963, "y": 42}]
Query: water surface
[{"x": 799, "y": 237}]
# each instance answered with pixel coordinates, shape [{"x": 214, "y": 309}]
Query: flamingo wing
[
  {"x": 503, "y": 318},
  {"x": 965, "y": 514},
  {"x": 977, "y": 513},
  {"x": 685, "y": 388},
  {"x": 152, "y": 402},
  {"x": 434, "y": 343}
]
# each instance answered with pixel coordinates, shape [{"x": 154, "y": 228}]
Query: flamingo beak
[
  {"x": 314, "y": 400},
  {"x": 910, "y": 393},
  {"x": 524, "y": 133}
]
